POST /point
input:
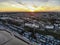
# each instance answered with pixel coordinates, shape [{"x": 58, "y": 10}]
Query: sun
[{"x": 31, "y": 8}]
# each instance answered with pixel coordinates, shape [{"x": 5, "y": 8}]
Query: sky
[
  {"x": 29, "y": 4},
  {"x": 36, "y": 2}
]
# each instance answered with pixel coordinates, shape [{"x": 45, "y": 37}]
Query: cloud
[
  {"x": 36, "y": 2},
  {"x": 18, "y": 5}
]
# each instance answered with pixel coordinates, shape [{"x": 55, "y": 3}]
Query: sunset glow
[{"x": 27, "y": 6}]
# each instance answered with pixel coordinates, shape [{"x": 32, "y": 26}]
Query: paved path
[{"x": 7, "y": 39}]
